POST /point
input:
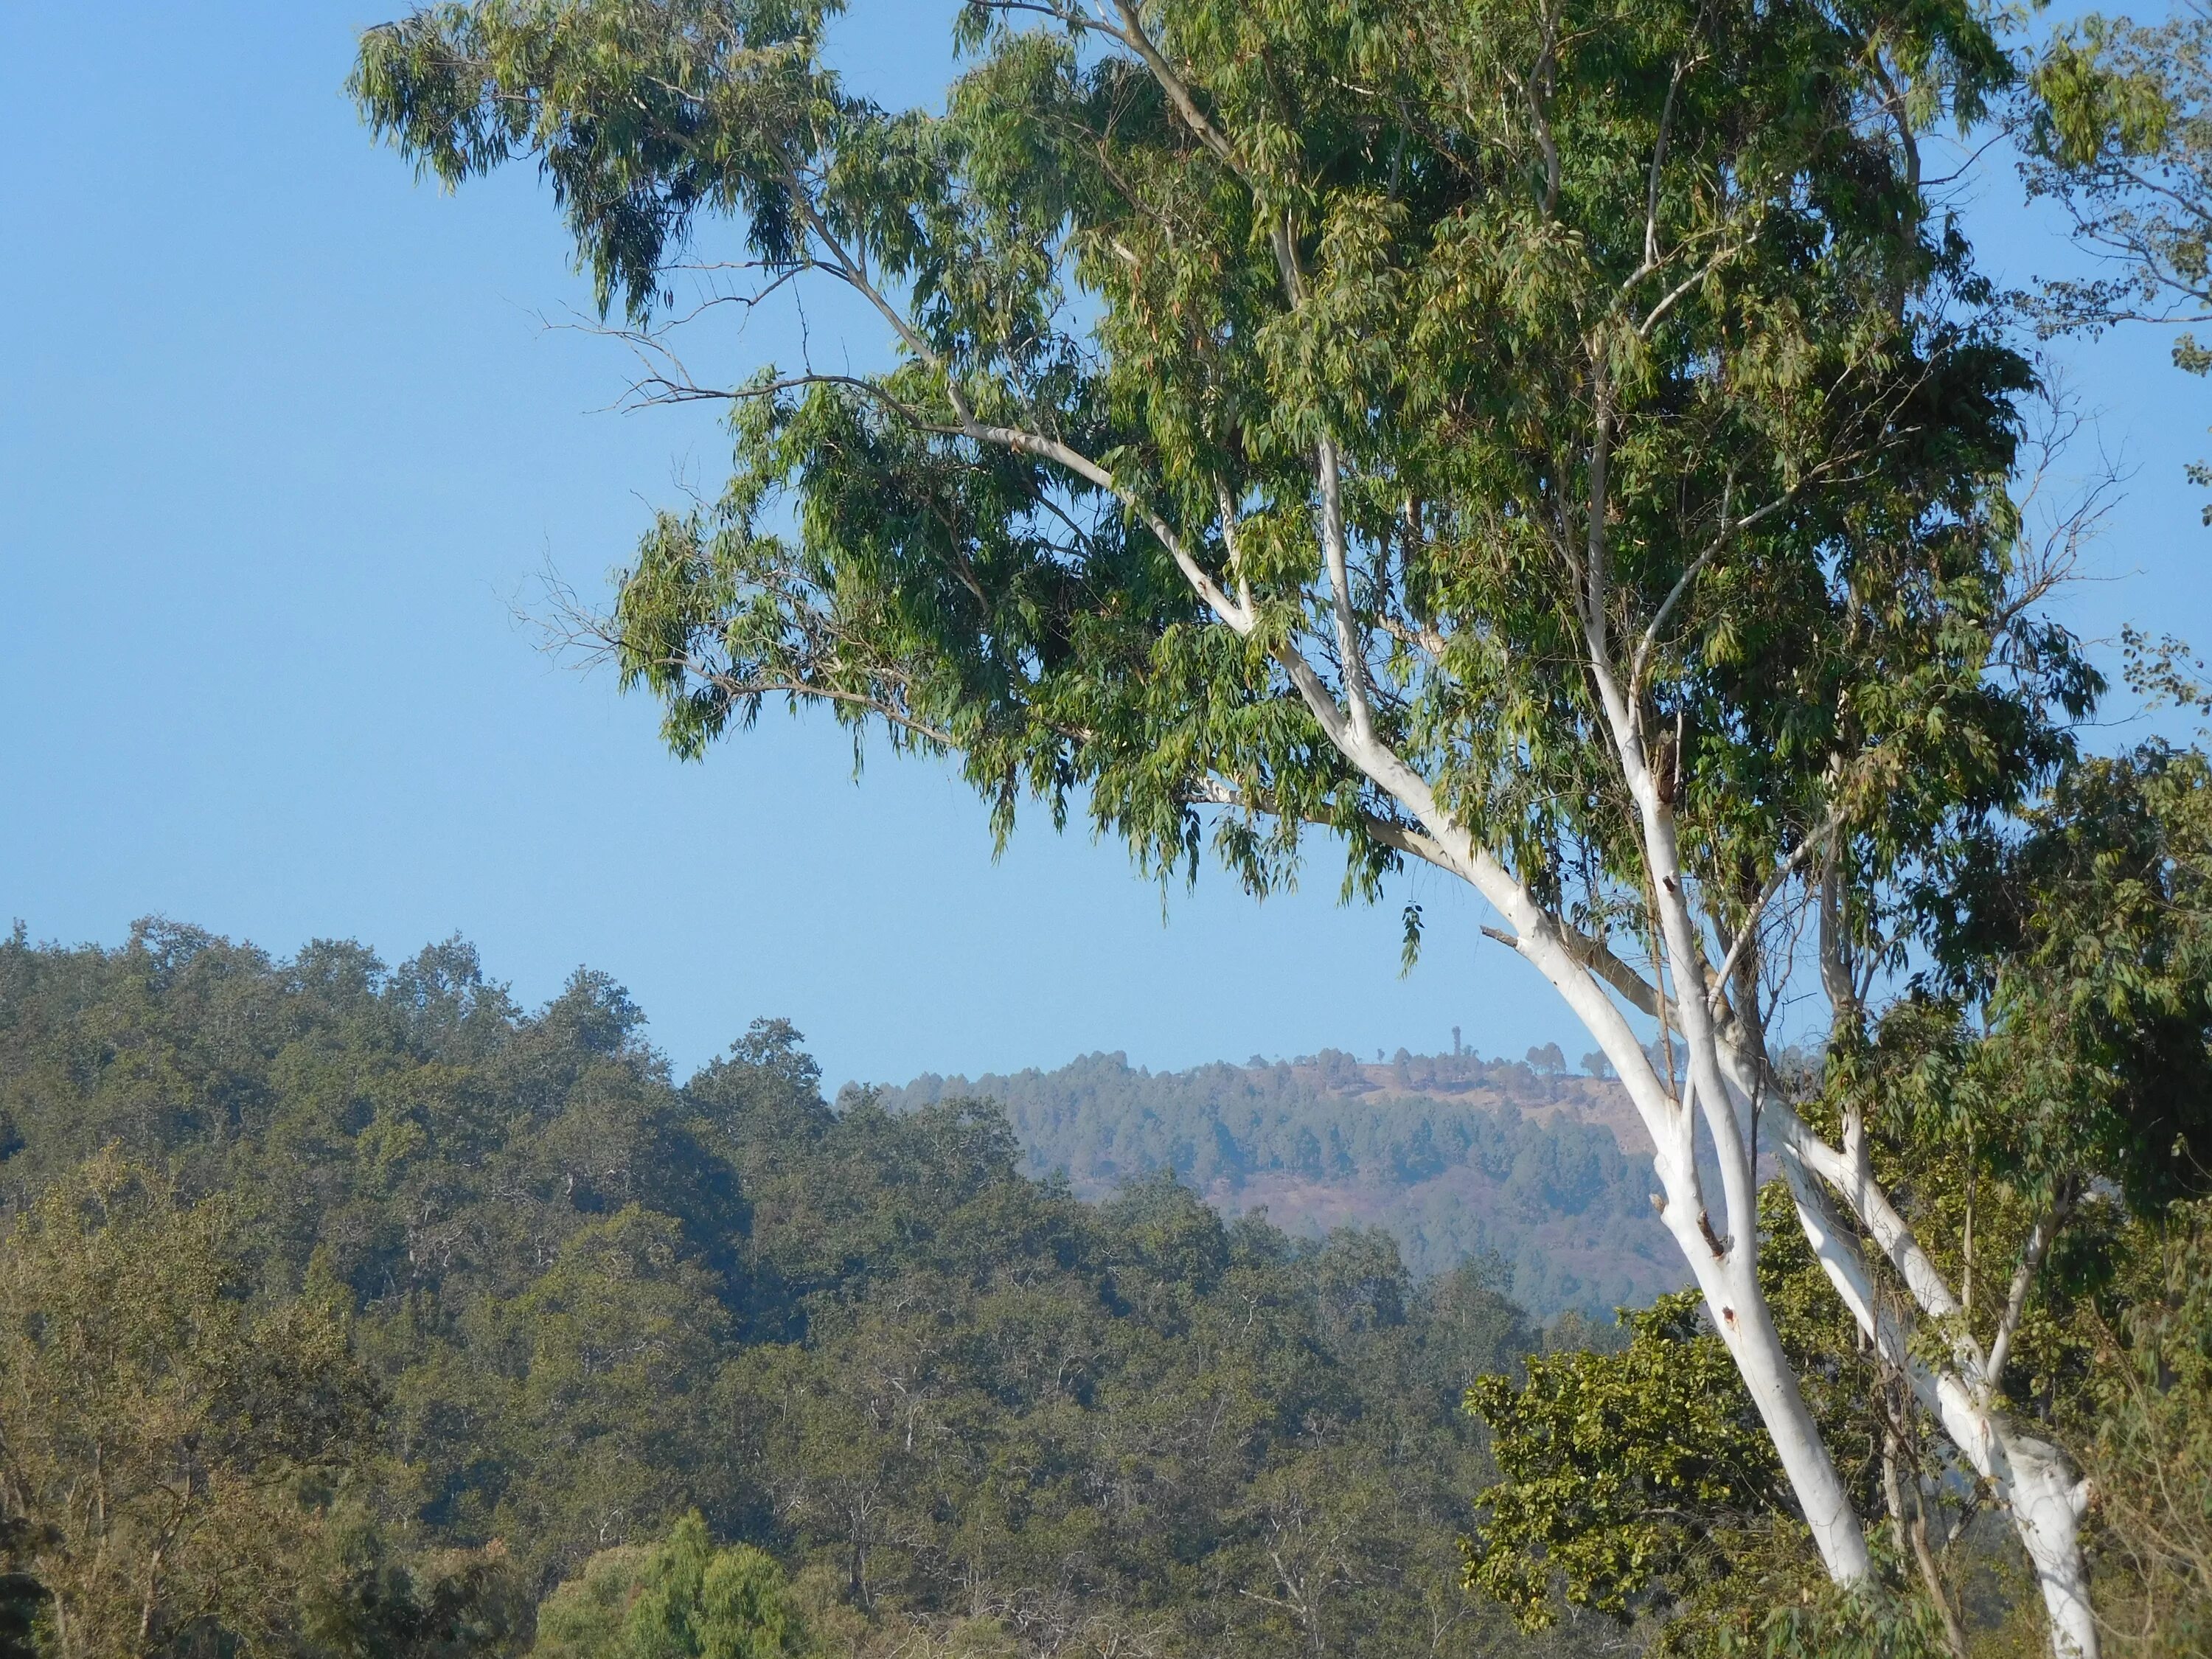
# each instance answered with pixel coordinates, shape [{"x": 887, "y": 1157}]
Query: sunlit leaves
[{"x": 1418, "y": 231}]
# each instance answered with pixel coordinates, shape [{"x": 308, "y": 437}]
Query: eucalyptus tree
[
  {"x": 1554, "y": 441},
  {"x": 2117, "y": 129}
]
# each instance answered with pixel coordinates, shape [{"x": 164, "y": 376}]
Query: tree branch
[
  {"x": 1352, "y": 649},
  {"x": 2023, "y": 1280},
  {"x": 1718, "y": 987},
  {"x": 1426, "y": 638},
  {"x": 1026, "y": 442},
  {"x": 1131, "y": 33}
]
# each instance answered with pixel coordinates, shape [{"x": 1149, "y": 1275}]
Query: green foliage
[
  {"x": 1455, "y": 1155},
  {"x": 1827, "y": 1623},
  {"x": 1616, "y": 1466},
  {"x": 165, "y": 1446},
  {"x": 366, "y": 1601},
  {"x": 964, "y": 1409},
  {"x": 700, "y": 1603},
  {"x": 1641, "y": 1480},
  {"x": 582, "y": 1619},
  {"x": 2087, "y": 941},
  {"x": 2119, "y": 130},
  {"x": 628, "y": 184},
  {"x": 1477, "y": 239},
  {"x": 2050, "y": 1075},
  {"x": 865, "y": 1343},
  {"x": 2146, "y": 1426}
]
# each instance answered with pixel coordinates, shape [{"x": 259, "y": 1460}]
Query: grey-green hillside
[{"x": 1455, "y": 1155}]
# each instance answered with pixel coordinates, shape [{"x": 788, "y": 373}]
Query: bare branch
[
  {"x": 1682, "y": 67},
  {"x": 1131, "y": 33},
  {"x": 682, "y": 391},
  {"x": 1352, "y": 649},
  {"x": 1426, "y": 638},
  {"x": 1666, "y": 301},
  {"x": 1402, "y": 838},
  {"x": 2023, "y": 1280},
  {"x": 1790, "y": 866}
]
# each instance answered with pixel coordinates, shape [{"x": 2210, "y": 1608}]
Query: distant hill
[
  {"x": 1453, "y": 1154},
  {"x": 569, "y": 1298}
]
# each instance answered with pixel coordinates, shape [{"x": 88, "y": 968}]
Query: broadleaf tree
[
  {"x": 168, "y": 1452},
  {"x": 1556, "y": 443},
  {"x": 2115, "y": 123}
]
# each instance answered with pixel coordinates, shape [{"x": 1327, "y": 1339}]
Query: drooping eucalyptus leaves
[{"x": 1551, "y": 439}]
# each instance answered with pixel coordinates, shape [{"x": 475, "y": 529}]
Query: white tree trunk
[
  {"x": 1739, "y": 1313},
  {"x": 2033, "y": 1478},
  {"x": 2048, "y": 1501},
  {"x": 1728, "y": 1278},
  {"x": 1726, "y": 1271},
  {"x": 2037, "y": 1485}
]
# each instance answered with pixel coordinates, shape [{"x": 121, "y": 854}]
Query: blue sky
[{"x": 285, "y": 440}]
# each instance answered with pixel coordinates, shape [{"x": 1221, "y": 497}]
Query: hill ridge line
[{"x": 1453, "y": 1154}]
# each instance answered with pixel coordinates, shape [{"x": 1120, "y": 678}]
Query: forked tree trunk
[
  {"x": 1726, "y": 1274},
  {"x": 2046, "y": 1499},
  {"x": 2048, "y": 1503},
  {"x": 2033, "y": 1480},
  {"x": 1726, "y": 1270}
]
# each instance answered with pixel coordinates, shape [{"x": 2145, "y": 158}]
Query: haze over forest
[
  {"x": 1456, "y": 1157},
  {"x": 579, "y": 1299},
  {"x": 1605, "y": 478}
]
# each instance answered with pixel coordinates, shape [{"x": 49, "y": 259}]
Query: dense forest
[
  {"x": 1454, "y": 1155},
  {"x": 1570, "y": 451},
  {"x": 455, "y": 1299},
  {"x": 350, "y": 1310}
]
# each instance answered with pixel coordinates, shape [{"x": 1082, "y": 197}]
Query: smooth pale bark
[
  {"x": 2033, "y": 1480},
  {"x": 1747, "y": 1327},
  {"x": 2048, "y": 1503},
  {"x": 1726, "y": 1277},
  {"x": 1725, "y": 1269}
]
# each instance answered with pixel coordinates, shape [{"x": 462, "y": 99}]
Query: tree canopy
[
  {"x": 1567, "y": 445},
  {"x": 446, "y": 1300},
  {"x": 2118, "y": 129},
  {"x": 1561, "y": 444}
]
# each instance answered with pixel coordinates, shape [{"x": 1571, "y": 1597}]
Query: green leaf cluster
[
  {"x": 681, "y": 1599},
  {"x": 1641, "y": 1482},
  {"x": 580, "y": 1301},
  {"x": 1426, "y": 234},
  {"x": 184, "y": 1466},
  {"x": 2116, "y": 123},
  {"x": 2145, "y": 1421}
]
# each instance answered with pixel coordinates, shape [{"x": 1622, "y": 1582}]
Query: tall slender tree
[{"x": 1550, "y": 440}]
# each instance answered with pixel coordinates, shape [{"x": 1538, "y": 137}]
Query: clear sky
[{"x": 284, "y": 440}]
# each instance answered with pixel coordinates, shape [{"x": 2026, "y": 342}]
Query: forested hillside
[
  {"x": 522, "y": 1297},
  {"x": 1455, "y": 1155}
]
